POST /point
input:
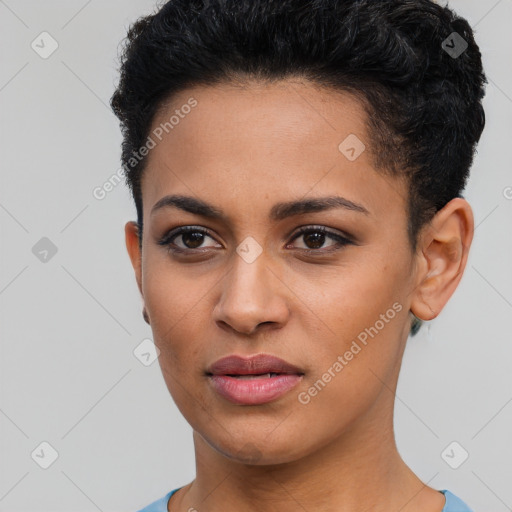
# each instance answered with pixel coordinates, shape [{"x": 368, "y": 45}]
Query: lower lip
[{"x": 255, "y": 391}]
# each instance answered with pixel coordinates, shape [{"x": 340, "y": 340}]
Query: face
[{"x": 324, "y": 285}]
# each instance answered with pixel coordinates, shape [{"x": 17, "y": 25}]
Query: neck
[{"x": 359, "y": 470}]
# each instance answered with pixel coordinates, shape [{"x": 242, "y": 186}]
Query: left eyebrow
[{"x": 278, "y": 212}]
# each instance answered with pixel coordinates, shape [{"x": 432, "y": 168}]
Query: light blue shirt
[{"x": 453, "y": 504}]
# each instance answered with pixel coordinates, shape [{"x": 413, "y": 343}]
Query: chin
[{"x": 255, "y": 451}]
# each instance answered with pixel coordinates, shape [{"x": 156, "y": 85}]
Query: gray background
[{"x": 69, "y": 325}]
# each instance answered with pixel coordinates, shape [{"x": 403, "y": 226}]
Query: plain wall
[{"x": 69, "y": 325}]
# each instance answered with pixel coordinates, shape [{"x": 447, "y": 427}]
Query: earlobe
[
  {"x": 445, "y": 246},
  {"x": 131, "y": 231}
]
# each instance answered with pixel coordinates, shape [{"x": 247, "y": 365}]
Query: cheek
[
  {"x": 179, "y": 325},
  {"x": 349, "y": 372},
  {"x": 175, "y": 302},
  {"x": 349, "y": 299},
  {"x": 360, "y": 314}
]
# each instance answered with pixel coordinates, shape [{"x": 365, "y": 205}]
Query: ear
[
  {"x": 131, "y": 231},
  {"x": 442, "y": 255}
]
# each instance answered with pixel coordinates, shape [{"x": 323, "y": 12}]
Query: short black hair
[{"x": 413, "y": 64}]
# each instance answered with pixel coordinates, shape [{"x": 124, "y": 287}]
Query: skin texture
[{"x": 244, "y": 149}]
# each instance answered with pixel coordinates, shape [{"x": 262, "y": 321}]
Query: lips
[
  {"x": 259, "y": 364},
  {"x": 253, "y": 380}
]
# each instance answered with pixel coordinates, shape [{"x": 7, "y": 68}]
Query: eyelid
[
  {"x": 320, "y": 228},
  {"x": 165, "y": 240}
]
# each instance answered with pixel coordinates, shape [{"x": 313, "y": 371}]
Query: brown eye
[
  {"x": 315, "y": 238},
  {"x": 191, "y": 238}
]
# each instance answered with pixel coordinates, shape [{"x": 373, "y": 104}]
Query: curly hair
[{"x": 423, "y": 101}]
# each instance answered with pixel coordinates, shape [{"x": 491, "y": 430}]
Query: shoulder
[
  {"x": 454, "y": 503},
  {"x": 160, "y": 505}
]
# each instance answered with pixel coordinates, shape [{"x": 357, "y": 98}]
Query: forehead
[
  {"x": 280, "y": 139},
  {"x": 286, "y": 116}
]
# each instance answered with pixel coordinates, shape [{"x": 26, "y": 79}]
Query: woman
[{"x": 297, "y": 168}]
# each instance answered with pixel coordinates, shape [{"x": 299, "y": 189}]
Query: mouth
[
  {"x": 255, "y": 376},
  {"x": 256, "y": 365},
  {"x": 253, "y": 380}
]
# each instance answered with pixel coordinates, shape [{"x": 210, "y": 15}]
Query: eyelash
[{"x": 342, "y": 241}]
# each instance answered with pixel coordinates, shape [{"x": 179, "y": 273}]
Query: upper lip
[{"x": 252, "y": 365}]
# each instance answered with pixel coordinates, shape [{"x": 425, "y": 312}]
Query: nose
[{"x": 252, "y": 295}]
